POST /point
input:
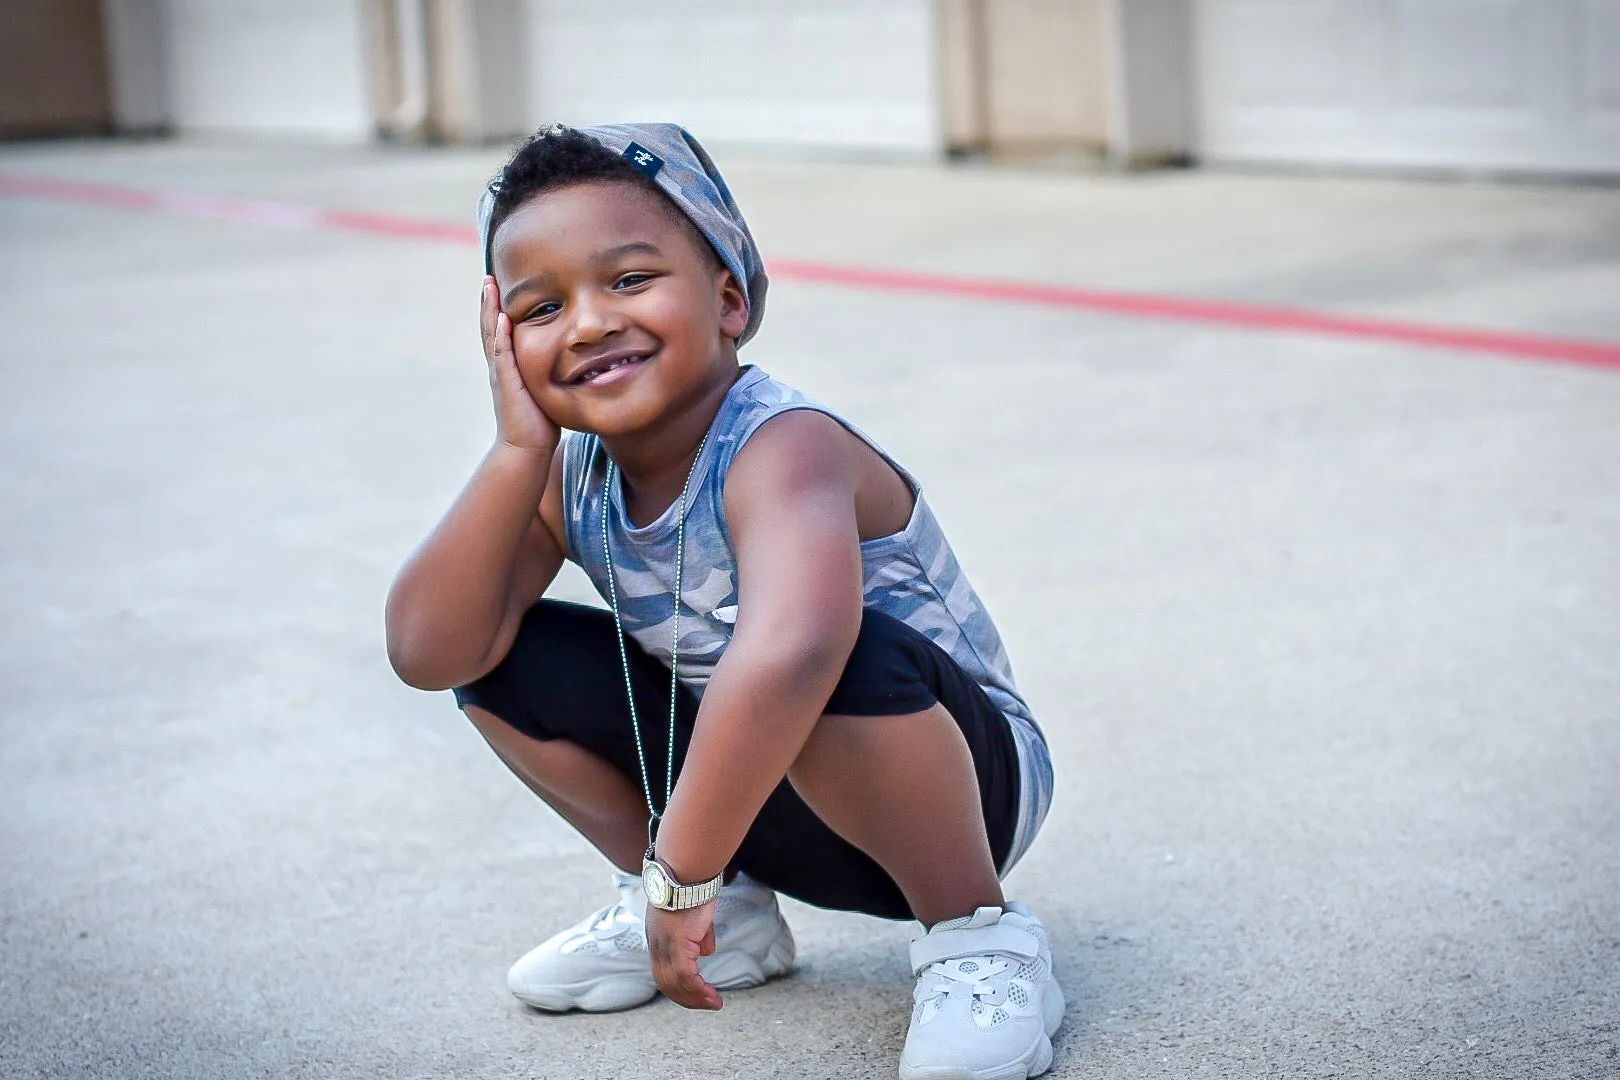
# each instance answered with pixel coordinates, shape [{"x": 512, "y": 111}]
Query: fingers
[
  {"x": 497, "y": 332},
  {"x": 488, "y": 308},
  {"x": 675, "y": 945},
  {"x": 678, "y": 977},
  {"x": 502, "y": 342},
  {"x": 494, "y": 325}
]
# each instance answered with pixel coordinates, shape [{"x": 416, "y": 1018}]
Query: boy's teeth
[{"x": 611, "y": 367}]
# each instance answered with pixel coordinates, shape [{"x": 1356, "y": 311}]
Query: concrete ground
[{"x": 1325, "y": 633}]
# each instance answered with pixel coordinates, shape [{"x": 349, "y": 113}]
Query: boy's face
[{"x": 621, "y": 314}]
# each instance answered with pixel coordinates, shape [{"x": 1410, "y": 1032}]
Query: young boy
[{"x": 789, "y": 633}]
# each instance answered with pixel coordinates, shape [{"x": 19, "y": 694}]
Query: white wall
[
  {"x": 1472, "y": 84},
  {"x": 835, "y": 74},
  {"x": 274, "y": 66}
]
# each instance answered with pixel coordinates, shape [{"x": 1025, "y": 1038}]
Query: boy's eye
[
  {"x": 542, "y": 311},
  {"x": 630, "y": 281}
]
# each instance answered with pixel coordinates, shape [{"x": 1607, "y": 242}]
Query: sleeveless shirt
[{"x": 911, "y": 575}]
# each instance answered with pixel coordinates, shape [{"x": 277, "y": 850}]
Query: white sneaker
[
  {"x": 986, "y": 1005},
  {"x": 600, "y": 964}
]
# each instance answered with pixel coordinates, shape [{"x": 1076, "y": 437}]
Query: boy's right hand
[{"x": 519, "y": 422}]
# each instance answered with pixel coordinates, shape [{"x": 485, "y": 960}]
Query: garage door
[
  {"x": 268, "y": 65},
  {"x": 838, "y": 74},
  {"x": 1470, "y": 84}
]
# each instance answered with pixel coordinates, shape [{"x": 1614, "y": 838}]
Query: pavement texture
[{"x": 1325, "y": 633}]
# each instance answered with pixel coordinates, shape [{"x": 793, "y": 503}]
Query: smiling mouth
[{"x": 599, "y": 372}]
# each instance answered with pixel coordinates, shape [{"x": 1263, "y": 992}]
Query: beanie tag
[{"x": 645, "y": 161}]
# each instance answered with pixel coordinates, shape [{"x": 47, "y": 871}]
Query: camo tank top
[{"x": 911, "y": 575}]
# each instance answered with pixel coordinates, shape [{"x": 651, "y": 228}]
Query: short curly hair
[{"x": 558, "y": 156}]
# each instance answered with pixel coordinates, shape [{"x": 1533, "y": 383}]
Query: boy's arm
[
  {"x": 790, "y": 506},
  {"x": 455, "y": 606}
]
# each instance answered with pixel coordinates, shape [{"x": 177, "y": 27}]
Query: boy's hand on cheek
[
  {"x": 519, "y": 422},
  {"x": 675, "y": 941}
]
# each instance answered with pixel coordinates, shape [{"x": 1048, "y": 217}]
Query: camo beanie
[{"x": 672, "y": 159}]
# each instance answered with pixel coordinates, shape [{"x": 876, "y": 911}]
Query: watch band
[
  {"x": 680, "y": 897},
  {"x": 691, "y": 896}
]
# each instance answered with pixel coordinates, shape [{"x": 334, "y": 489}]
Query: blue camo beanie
[{"x": 671, "y": 158}]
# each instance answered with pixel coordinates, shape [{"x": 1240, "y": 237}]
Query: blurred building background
[{"x": 1472, "y": 85}]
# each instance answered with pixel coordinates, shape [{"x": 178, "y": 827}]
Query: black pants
[{"x": 563, "y": 680}]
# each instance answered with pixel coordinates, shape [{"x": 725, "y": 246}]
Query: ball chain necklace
[{"x": 674, "y": 644}]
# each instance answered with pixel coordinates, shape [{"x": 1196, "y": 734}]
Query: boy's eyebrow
[
  {"x": 634, "y": 247},
  {"x": 523, "y": 286}
]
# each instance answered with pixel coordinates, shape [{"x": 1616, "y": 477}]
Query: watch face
[{"x": 655, "y": 883}]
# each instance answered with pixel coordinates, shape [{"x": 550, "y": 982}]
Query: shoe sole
[
  {"x": 1032, "y": 1063},
  {"x": 731, "y": 969},
  {"x": 610, "y": 993}
]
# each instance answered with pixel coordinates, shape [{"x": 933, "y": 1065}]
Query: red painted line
[
  {"x": 1148, "y": 306},
  {"x": 404, "y": 228},
  {"x": 279, "y": 214},
  {"x": 1218, "y": 312}
]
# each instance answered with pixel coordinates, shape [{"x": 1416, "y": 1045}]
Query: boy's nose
[{"x": 594, "y": 318}]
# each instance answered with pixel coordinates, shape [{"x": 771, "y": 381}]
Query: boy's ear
[{"x": 733, "y": 306}]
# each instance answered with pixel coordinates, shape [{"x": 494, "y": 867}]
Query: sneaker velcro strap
[{"x": 950, "y": 944}]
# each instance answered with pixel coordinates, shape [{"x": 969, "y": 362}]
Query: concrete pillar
[
  {"x": 447, "y": 70},
  {"x": 395, "y": 47},
  {"x": 138, "y": 60},
  {"x": 1105, "y": 79},
  {"x": 478, "y": 71},
  {"x": 1151, "y": 83}
]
